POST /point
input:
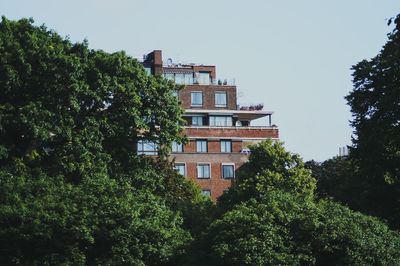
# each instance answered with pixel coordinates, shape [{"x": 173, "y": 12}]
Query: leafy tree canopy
[
  {"x": 375, "y": 105},
  {"x": 75, "y": 111},
  {"x": 270, "y": 167},
  {"x": 47, "y": 221},
  {"x": 335, "y": 179},
  {"x": 271, "y": 217},
  {"x": 285, "y": 229},
  {"x": 72, "y": 188}
]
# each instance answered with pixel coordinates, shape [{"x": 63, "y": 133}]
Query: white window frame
[
  {"x": 226, "y": 140},
  {"x": 197, "y": 117},
  {"x": 184, "y": 164},
  {"x": 179, "y": 78},
  {"x": 176, "y": 144},
  {"x": 197, "y": 146},
  {"x": 215, "y": 120},
  {"x": 222, "y": 170},
  {"x": 197, "y": 170},
  {"x": 203, "y": 77},
  {"x": 191, "y": 99},
  {"x": 148, "y": 70},
  {"x": 189, "y": 78},
  {"x": 141, "y": 144},
  {"x": 226, "y": 99},
  {"x": 206, "y": 194}
]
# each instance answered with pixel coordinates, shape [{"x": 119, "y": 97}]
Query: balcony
[
  {"x": 189, "y": 80},
  {"x": 241, "y": 115}
]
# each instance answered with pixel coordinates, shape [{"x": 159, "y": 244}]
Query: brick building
[{"x": 219, "y": 131}]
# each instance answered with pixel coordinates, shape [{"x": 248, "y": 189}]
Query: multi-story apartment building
[{"x": 218, "y": 129}]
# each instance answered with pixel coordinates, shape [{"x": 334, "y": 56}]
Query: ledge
[{"x": 209, "y": 132}]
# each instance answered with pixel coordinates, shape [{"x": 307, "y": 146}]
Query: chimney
[
  {"x": 158, "y": 62},
  {"x": 154, "y": 60}
]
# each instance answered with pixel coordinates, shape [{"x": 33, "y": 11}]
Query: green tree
[
  {"x": 270, "y": 167},
  {"x": 271, "y": 217},
  {"x": 73, "y": 189},
  {"x": 285, "y": 229},
  {"x": 335, "y": 179},
  {"x": 73, "y": 110},
  {"x": 47, "y": 221},
  {"x": 375, "y": 105}
]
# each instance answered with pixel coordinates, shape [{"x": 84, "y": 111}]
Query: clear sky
[{"x": 293, "y": 56}]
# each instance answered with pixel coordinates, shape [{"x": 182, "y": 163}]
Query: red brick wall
[
  {"x": 213, "y": 146},
  {"x": 154, "y": 60},
  {"x": 208, "y": 96},
  {"x": 216, "y": 184},
  {"x": 190, "y": 147},
  {"x": 236, "y": 146},
  {"x": 232, "y": 132},
  {"x": 210, "y": 69}
]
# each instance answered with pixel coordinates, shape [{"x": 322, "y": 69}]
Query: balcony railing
[
  {"x": 233, "y": 127},
  {"x": 195, "y": 81}
]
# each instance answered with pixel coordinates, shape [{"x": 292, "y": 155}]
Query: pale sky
[{"x": 293, "y": 56}]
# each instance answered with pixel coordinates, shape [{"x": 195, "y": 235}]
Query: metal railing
[
  {"x": 233, "y": 127},
  {"x": 195, "y": 81}
]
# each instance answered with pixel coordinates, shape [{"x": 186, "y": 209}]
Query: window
[
  {"x": 180, "y": 168},
  {"x": 201, "y": 145},
  {"x": 228, "y": 171},
  {"x": 203, "y": 170},
  {"x": 206, "y": 192},
  {"x": 148, "y": 70},
  {"x": 225, "y": 121},
  {"x": 177, "y": 147},
  {"x": 183, "y": 78},
  {"x": 220, "y": 99},
  {"x": 203, "y": 78},
  {"x": 197, "y": 120},
  {"x": 197, "y": 98},
  {"x": 226, "y": 146},
  {"x": 188, "y": 78},
  {"x": 169, "y": 76},
  {"x": 147, "y": 147},
  {"x": 179, "y": 78}
]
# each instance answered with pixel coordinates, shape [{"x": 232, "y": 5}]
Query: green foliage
[
  {"x": 258, "y": 233},
  {"x": 180, "y": 194},
  {"x": 100, "y": 221},
  {"x": 73, "y": 190},
  {"x": 270, "y": 217},
  {"x": 73, "y": 110},
  {"x": 284, "y": 229},
  {"x": 375, "y": 105},
  {"x": 270, "y": 167},
  {"x": 345, "y": 237},
  {"x": 335, "y": 179}
]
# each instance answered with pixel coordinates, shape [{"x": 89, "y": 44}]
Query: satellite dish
[{"x": 169, "y": 62}]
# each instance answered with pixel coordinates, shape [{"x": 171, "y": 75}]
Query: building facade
[{"x": 218, "y": 129}]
